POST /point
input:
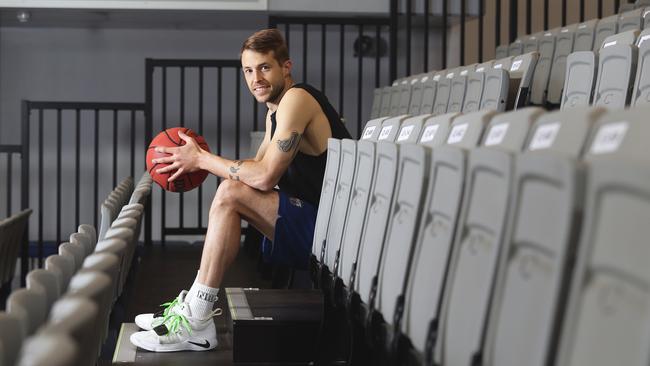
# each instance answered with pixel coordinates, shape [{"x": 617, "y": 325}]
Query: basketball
[{"x": 170, "y": 138}]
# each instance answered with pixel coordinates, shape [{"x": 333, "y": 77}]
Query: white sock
[
  {"x": 192, "y": 291},
  {"x": 202, "y": 302}
]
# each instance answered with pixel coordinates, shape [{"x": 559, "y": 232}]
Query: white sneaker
[
  {"x": 152, "y": 320},
  {"x": 179, "y": 332}
]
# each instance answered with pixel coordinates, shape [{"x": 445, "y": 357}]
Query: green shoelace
[{"x": 174, "y": 321}]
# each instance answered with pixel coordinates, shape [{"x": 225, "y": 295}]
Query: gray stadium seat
[
  {"x": 76, "y": 251},
  {"x": 536, "y": 253},
  {"x": 11, "y": 338},
  {"x": 624, "y": 7},
  {"x": 84, "y": 241},
  {"x": 386, "y": 93},
  {"x": 521, "y": 76},
  {"x": 443, "y": 92},
  {"x": 436, "y": 129},
  {"x": 481, "y": 227},
  {"x": 641, "y": 91},
  {"x": 63, "y": 267},
  {"x": 515, "y": 48},
  {"x": 406, "y": 88},
  {"x": 606, "y": 27},
  {"x": 30, "y": 306},
  {"x": 458, "y": 90},
  {"x": 539, "y": 87},
  {"x": 630, "y": 20},
  {"x": 436, "y": 230},
  {"x": 616, "y": 68},
  {"x": 48, "y": 350},
  {"x": 485, "y": 66},
  {"x": 584, "y": 38},
  {"x": 416, "y": 94},
  {"x": 429, "y": 90},
  {"x": 502, "y": 51},
  {"x": 563, "y": 47},
  {"x": 503, "y": 63},
  {"x": 107, "y": 263},
  {"x": 531, "y": 43},
  {"x": 606, "y": 319},
  {"x": 474, "y": 91},
  {"x": 98, "y": 287},
  {"x": 327, "y": 197},
  {"x": 395, "y": 99},
  {"x": 12, "y": 230},
  {"x": 495, "y": 90},
  {"x": 372, "y": 129},
  {"x": 410, "y": 129},
  {"x": 390, "y": 128},
  {"x": 45, "y": 281},
  {"x": 90, "y": 232},
  {"x": 646, "y": 18},
  {"x": 376, "y": 103},
  {"x": 579, "y": 80}
]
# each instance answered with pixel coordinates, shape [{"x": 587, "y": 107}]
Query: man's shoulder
[{"x": 298, "y": 99}]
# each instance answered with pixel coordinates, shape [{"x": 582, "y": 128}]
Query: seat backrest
[
  {"x": 536, "y": 253},
  {"x": 616, "y": 68},
  {"x": 30, "y": 306},
  {"x": 376, "y": 103},
  {"x": 606, "y": 27},
  {"x": 458, "y": 89},
  {"x": 641, "y": 91},
  {"x": 474, "y": 91},
  {"x": 417, "y": 89},
  {"x": 515, "y": 48},
  {"x": 563, "y": 47},
  {"x": 372, "y": 129},
  {"x": 76, "y": 317},
  {"x": 410, "y": 129},
  {"x": 436, "y": 128},
  {"x": 503, "y": 63},
  {"x": 98, "y": 287},
  {"x": 495, "y": 90},
  {"x": 480, "y": 232},
  {"x": 531, "y": 43},
  {"x": 11, "y": 338},
  {"x": 646, "y": 17},
  {"x": 502, "y": 51},
  {"x": 443, "y": 92},
  {"x": 327, "y": 197},
  {"x": 429, "y": 91},
  {"x": 395, "y": 99},
  {"x": 608, "y": 308},
  {"x": 437, "y": 227},
  {"x": 83, "y": 241},
  {"x": 386, "y": 93},
  {"x": 107, "y": 263},
  {"x": 63, "y": 266},
  {"x": 406, "y": 88},
  {"x": 90, "y": 232},
  {"x": 390, "y": 128},
  {"x": 12, "y": 236},
  {"x": 579, "y": 80},
  {"x": 630, "y": 20},
  {"x": 48, "y": 350},
  {"x": 521, "y": 72},
  {"x": 546, "y": 47},
  {"x": 76, "y": 251},
  {"x": 45, "y": 281},
  {"x": 584, "y": 38}
]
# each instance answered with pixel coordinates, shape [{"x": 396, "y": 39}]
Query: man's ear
[{"x": 287, "y": 65}]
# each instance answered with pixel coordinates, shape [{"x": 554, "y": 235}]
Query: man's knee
[{"x": 228, "y": 194}]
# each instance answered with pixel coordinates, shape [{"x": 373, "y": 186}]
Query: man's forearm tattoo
[
  {"x": 290, "y": 143},
  {"x": 234, "y": 169}
]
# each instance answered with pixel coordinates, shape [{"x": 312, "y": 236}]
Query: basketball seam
[
  {"x": 150, "y": 170},
  {"x": 171, "y": 139}
]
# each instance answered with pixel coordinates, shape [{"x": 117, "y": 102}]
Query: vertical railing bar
[
  {"x": 163, "y": 199},
  {"x": 323, "y": 49},
  {"x": 393, "y": 39},
  {"x": 529, "y": 12},
  {"x": 462, "y": 31},
  {"x": 426, "y": 35},
  {"x": 546, "y": 6},
  {"x": 200, "y": 194},
  {"x": 181, "y": 195},
  {"x": 481, "y": 10},
  {"x": 497, "y": 23},
  {"x": 24, "y": 191},
  {"x": 9, "y": 185},
  {"x": 563, "y": 13},
  {"x": 360, "y": 85},
  {"x": 148, "y": 132},
  {"x": 377, "y": 64},
  {"x": 77, "y": 168},
  {"x": 133, "y": 144},
  {"x": 114, "y": 148},
  {"x": 617, "y": 5},
  {"x": 445, "y": 24},
  {"x": 58, "y": 176},
  {"x": 582, "y": 11},
  {"x": 341, "y": 67},
  {"x": 40, "y": 186},
  {"x": 513, "y": 20},
  {"x": 600, "y": 9},
  {"x": 219, "y": 114},
  {"x": 409, "y": 5},
  {"x": 96, "y": 169},
  {"x": 237, "y": 113},
  {"x": 304, "y": 52}
]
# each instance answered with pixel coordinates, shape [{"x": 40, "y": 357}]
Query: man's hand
[{"x": 183, "y": 159}]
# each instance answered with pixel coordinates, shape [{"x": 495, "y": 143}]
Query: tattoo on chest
[{"x": 290, "y": 143}]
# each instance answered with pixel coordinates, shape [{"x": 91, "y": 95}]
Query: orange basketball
[{"x": 170, "y": 138}]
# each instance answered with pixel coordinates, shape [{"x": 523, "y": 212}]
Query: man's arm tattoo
[
  {"x": 234, "y": 169},
  {"x": 290, "y": 143}
]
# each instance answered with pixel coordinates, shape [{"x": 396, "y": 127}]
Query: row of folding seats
[
  {"x": 12, "y": 236},
  {"x": 68, "y": 303},
  {"x": 500, "y": 85},
  {"x": 555, "y": 45},
  {"x": 616, "y": 76},
  {"x": 491, "y": 238}
]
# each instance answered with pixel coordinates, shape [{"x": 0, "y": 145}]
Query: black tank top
[{"x": 304, "y": 177}]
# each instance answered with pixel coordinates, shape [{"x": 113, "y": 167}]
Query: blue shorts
[{"x": 294, "y": 233}]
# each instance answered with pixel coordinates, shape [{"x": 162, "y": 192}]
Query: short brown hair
[{"x": 265, "y": 41}]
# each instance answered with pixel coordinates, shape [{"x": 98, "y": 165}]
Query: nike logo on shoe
[{"x": 202, "y": 345}]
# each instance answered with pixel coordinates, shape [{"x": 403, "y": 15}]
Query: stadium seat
[
  {"x": 48, "y": 350},
  {"x": 11, "y": 337},
  {"x": 443, "y": 92},
  {"x": 606, "y": 27},
  {"x": 579, "y": 80},
  {"x": 606, "y": 315},
  {"x": 458, "y": 89},
  {"x": 63, "y": 267},
  {"x": 386, "y": 93},
  {"x": 416, "y": 94},
  {"x": 45, "y": 281},
  {"x": 584, "y": 38},
  {"x": 390, "y": 128},
  {"x": 30, "y": 306},
  {"x": 82, "y": 240},
  {"x": 531, "y": 43},
  {"x": 474, "y": 91},
  {"x": 429, "y": 90},
  {"x": 563, "y": 47},
  {"x": 90, "y": 232},
  {"x": 12, "y": 230},
  {"x": 502, "y": 51},
  {"x": 436, "y": 128},
  {"x": 515, "y": 48},
  {"x": 372, "y": 129},
  {"x": 539, "y": 86},
  {"x": 376, "y": 103},
  {"x": 616, "y": 68},
  {"x": 521, "y": 76},
  {"x": 480, "y": 227},
  {"x": 646, "y": 18},
  {"x": 630, "y": 20},
  {"x": 76, "y": 251},
  {"x": 536, "y": 253},
  {"x": 495, "y": 90},
  {"x": 107, "y": 263},
  {"x": 641, "y": 91},
  {"x": 406, "y": 88}
]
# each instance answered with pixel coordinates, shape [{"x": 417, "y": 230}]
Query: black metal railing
[
  {"x": 98, "y": 142},
  {"x": 205, "y": 95},
  {"x": 325, "y": 49}
]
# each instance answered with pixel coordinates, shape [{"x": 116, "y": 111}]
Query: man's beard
[{"x": 274, "y": 97}]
